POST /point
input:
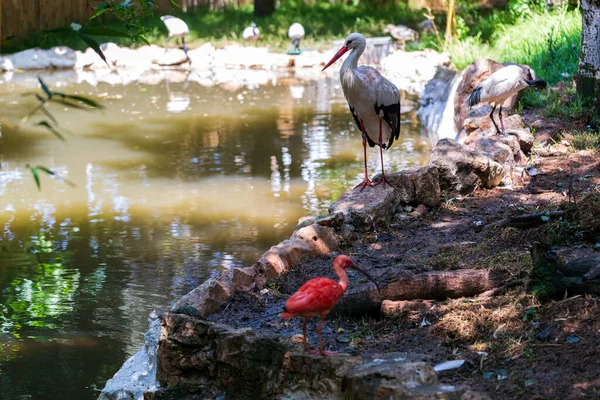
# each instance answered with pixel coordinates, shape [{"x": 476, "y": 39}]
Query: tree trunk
[
  {"x": 264, "y": 7},
  {"x": 416, "y": 282},
  {"x": 588, "y": 72}
]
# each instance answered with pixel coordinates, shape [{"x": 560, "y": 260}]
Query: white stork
[
  {"x": 501, "y": 85},
  {"x": 296, "y": 33},
  {"x": 374, "y": 101},
  {"x": 176, "y": 27},
  {"x": 401, "y": 33},
  {"x": 251, "y": 32}
]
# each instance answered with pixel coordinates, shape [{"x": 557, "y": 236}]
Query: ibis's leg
[
  {"x": 321, "y": 349},
  {"x": 167, "y": 43},
  {"x": 383, "y": 180},
  {"x": 501, "y": 123},
  {"x": 492, "y": 118},
  {"x": 306, "y": 347},
  {"x": 366, "y": 181}
]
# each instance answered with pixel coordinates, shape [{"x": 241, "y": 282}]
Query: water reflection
[{"x": 175, "y": 182}]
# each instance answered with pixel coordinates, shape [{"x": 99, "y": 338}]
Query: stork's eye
[{"x": 349, "y": 42}]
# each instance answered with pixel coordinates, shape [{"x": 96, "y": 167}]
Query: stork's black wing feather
[
  {"x": 388, "y": 108},
  {"x": 357, "y": 120}
]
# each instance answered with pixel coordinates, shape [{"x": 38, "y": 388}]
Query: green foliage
[{"x": 323, "y": 22}]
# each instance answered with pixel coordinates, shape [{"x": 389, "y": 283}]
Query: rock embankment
[
  {"x": 197, "y": 358},
  {"x": 410, "y": 71}
]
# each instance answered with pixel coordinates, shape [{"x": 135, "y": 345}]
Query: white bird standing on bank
[
  {"x": 374, "y": 101},
  {"x": 296, "y": 33},
  {"x": 401, "y": 33},
  {"x": 176, "y": 28},
  {"x": 251, "y": 32},
  {"x": 501, "y": 85}
]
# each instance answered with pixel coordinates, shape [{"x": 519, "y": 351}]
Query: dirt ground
[{"x": 515, "y": 347}]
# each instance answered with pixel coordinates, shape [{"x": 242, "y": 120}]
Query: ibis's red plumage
[
  {"x": 313, "y": 298},
  {"x": 318, "y": 296}
]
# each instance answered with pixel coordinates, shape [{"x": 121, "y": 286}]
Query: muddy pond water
[{"x": 175, "y": 181}]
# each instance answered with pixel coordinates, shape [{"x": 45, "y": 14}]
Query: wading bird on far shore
[
  {"x": 374, "y": 101},
  {"x": 251, "y": 32},
  {"x": 318, "y": 296},
  {"x": 501, "y": 85},
  {"x": 296, "y": 33},
  {"x": 176, "y": 28}
]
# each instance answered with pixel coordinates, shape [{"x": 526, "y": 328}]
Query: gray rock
[
  {"x": 410, "y": 71},
  {"x": 461, "y": 169},
  {"x": 54, "y": 58},
  {"x": 138, "y": 374},
  {"x": 206, "y": 298},
  {"x": 524, "y": 137}
]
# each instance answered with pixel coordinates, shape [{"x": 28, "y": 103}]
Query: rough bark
[
  {"x": 264, "y": 7},
  {"x": 415, "y": 282},
  {"x": 588, "y": 72}
]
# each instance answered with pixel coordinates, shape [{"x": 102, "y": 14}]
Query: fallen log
[
  {"x": 530, "y": 220},
  {"x": 415, "y": 282}
]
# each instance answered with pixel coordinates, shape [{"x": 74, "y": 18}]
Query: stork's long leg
[
  {"x": 366, "y": 181},
  {"x": 492, "y": 118},
  {"x": 383, "y": 180},
  {"x": 501, "y": 123},
  {"x": 167, "y": 43}
]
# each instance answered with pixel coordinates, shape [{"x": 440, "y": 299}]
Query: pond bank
[
  {"x": 410, "y": 71},
  {"x": 442, "y": 223}
]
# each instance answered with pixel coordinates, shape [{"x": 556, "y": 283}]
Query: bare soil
[{"x": 514, "y": 347}]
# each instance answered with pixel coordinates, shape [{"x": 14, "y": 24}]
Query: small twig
[{"x": 567, "y": 299}]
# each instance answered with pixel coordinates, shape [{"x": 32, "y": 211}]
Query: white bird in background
[
  {"x": 176, "y": 28},
  {"x": 401, "y": 33},
  {"x": 374, "y": 101},
  {"x": 296, "y": 33},
  {"x": 251, "y": 32},
  {"x": 501, "y": 85}
]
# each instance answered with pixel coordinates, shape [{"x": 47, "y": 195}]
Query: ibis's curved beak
[
  {"x": 340, "y": 53},
  {"x": 356, "y": 267}
]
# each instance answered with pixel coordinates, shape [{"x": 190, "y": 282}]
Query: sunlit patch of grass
[
  {"x": 585, "y": 140},
  {"x": 468, "y": 321},
  {"x": 482, "y": 256}
]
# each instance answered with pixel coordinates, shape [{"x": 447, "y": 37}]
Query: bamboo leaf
[
  {"x": 83, "y": 99},
  {"x": 70, "y": 104},
  {"x": 44, "y": 87},
  {"x": 36, "y": 177},
  {"x": 30, "y": 114},
  {"x": 46, "y": 170},
  {"x": 47, "y": 113},
  {"x": 99, "y": 13},
  {"x": 53, "y": 130},
  {"x": 94, "y": 45}
]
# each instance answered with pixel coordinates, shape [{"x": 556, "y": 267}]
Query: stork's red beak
[{"x": 340, "y": 53}]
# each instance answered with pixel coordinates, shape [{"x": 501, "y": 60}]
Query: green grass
[
  {"x": 585, "y": 140},
  {"x": 323, "y": 22},
  {"x": 549, "y": 42}
]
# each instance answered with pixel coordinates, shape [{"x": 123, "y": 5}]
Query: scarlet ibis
[
  {"x": 501, "y": 85},
  {"x": 318, "y": 296},
  {"x": 176, "y": 27},
  {"x": 251, "y": 32},
  {"x": 374, "y": 101},
  {"x": 296, "y": 33}
]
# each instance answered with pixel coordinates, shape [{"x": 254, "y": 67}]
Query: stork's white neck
[{"x": 347, "y": 76}]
